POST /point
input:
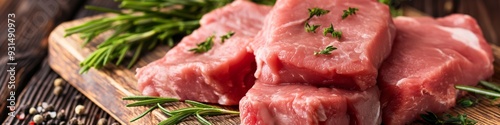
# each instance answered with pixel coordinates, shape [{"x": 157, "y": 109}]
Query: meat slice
[
  {"x": 430, "y": 57},
  {"x": 266, "y": 104},
  {"x": 223, "y": 74},
  {"x": 285, "y": 51}
]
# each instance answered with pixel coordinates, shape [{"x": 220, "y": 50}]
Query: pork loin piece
[
  {"x": 266, "y": 104},
  {"x": 430, "y": 57},
  {"x": 223, "y": 74},
  {"x": 285, "y": 51}
]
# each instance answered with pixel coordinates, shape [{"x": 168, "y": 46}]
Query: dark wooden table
[{"x": 35, "y": 19}]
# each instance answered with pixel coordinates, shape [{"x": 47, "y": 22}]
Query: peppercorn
[
  {"x": 46, "y": 116},
  {"x": 79, "y": 109},
  {"x": 73, "y": 121},
  {"x": 114, "y": 123},
  {"x": 33, "y": 111},
  {"x": 59, "y": 82},
  {"x": 102, "y": 121},
  {"x": 61, "y": 115},
  {"x": 49, "y": 108},
  {"x": 51, "y": 122},
  {"x": 62, "y": 123},
  {"x": 79, "y": 99},
  {"x": 58, "y": 90},
  {"x": 38, "y": 119}
]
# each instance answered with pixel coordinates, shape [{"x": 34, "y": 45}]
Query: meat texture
[
  {"x": 266, "y": 104},
  {"x": 223, "y": 74},
  {"x": 285, "y": 51},
  {"x": 429, "y": 57}
]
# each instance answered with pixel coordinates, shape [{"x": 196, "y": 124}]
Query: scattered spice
[
  {"x": 38, "y": 119},
  {"x": 61, "y": 115},
  {"x": 114, "y": 123},
  {"x": 62, "y": 123},
  {"x": 79, "y": 109},
  {"x": 33, "y": 111},
  {"x": 51, "y": 122},
  {"x": 32, "y": 123},
  {"x": 46, "y": 116},
  {"x": 73, "y": 121},
  {"x": 79, "y": 99},
  {"x": 21, "y": 116},
  {"x": 59, "y": 82},
  {"x": 102, "y": 121},
  {"x": 48, "y": 108},
  {"x": 58, "y": 90}
]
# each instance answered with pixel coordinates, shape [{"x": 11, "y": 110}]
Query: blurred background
[{"x": 35, "y": 19}]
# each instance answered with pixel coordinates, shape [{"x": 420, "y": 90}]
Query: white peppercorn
[
  {"x": 59, "y": 82},
  {"x": 38, "y": 119},
  {"x": 33, "y": 111},
  {"x": 79, "y": 109},
  {"x": 58, "y": 90}
]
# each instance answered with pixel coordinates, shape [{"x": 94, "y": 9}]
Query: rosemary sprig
[
  {"x": 198, "y": 110},
  {"x": 149, "y": 23}
]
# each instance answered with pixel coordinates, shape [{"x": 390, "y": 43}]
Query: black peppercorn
[{"x": 73, "y": 121}]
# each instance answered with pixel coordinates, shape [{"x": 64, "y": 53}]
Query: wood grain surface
[{"x": 106, "y": 87}]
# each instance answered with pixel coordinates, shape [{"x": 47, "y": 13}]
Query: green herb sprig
[
  {"x": 460, "y": 119},
  {"x": 314, "y": 12},
  {"x": 145, "y": 25},
  {"x": 335, "y": 34},
  {"x": 311, "y": 28},
  {"x": 228, "y": 35},
  {"x": 349, "y": 11},
  {"x": 204, "y": 46},
  {"x": 175, "y": 116},
  {"x": 326, "y": 51}
]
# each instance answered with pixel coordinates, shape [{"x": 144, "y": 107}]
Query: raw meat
[
  {"x": 266, "y": 104},
  {"x": 284, "y": 50},
  {"x": 223, "y": 74},
  {"x": 430, "y": 57}
]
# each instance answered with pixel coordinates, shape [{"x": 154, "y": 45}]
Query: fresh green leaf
[{"x": 226, "y": 36}]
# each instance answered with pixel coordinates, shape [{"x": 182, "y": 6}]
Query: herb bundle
[
  {"x": 447, "y": 119},
  {"x": 145, "y": 25},
  {"x": 198, "y": 110}
]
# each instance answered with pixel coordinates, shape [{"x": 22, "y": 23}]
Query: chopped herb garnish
[
  {"x": 349, "y": 11},
  {"x": 223, "y": 38},
  {"x": 311, "y": 28},
  {"x": 326, "y": 51},
  {"x": 337, "y": 34},
  {"x": 447, "y": 119},
  {"x": 316, "y": 12},
  {"x": 204, "y": 46}
]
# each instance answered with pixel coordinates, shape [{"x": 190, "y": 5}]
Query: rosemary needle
[
  {"x": 490, "y": 85},
  {"x": 143, "y": 114},
  {"x": 478, "y": 90},
  {"x": 151, "y": 102}
]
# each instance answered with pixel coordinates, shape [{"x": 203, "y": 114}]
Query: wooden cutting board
[{"x": 107, "y": 86}]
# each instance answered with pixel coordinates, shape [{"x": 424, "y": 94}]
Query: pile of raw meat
[{"x": 383, "y": 69}]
